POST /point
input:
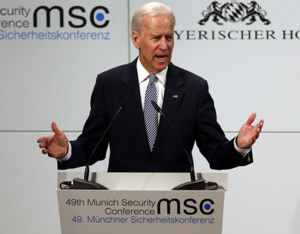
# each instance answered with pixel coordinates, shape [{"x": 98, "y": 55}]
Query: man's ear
[{"x": 135, "y": 39}]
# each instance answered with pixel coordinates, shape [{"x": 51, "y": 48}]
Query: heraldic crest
[{"x": 234, "y": 12}]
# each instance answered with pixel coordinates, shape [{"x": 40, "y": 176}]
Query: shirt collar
[{"x": 143, "y": 73}]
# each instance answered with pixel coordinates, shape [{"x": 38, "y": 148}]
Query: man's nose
[{"x": 163, "y": 44}]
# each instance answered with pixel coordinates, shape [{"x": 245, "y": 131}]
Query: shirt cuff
[
  {"x": 243, "y": 152},
  {"x": 68, "y": 156}
]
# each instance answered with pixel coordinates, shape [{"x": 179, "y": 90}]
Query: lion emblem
[{"x": 234, "y": 12}]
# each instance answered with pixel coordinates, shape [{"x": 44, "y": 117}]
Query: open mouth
[{"x": 161, "y": 56}]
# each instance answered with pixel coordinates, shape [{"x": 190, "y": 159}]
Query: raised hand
[
  {"x": 55, "y": 146},
  {"x": 248, "y": 134}
]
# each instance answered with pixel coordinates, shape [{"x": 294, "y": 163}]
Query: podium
[{"x": 141, "y": 203}]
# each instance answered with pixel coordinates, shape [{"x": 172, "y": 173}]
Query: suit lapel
[{"x": 172, "y": 99}]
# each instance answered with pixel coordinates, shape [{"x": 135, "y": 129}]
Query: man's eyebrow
[{"x": 156, "y": 35}]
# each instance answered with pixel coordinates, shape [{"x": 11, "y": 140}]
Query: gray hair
[{"x": 152, "y": 9}]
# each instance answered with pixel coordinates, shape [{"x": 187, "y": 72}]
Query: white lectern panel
[{"x": 138, "y": 210}]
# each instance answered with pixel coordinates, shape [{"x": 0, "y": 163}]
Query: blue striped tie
[{"x": 150, "y": 114}]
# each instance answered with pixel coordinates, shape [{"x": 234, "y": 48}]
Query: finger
[
  {"x": 259, "y": 125},
  {"x": 256, "y": 135},
  {"x": 45, "y": 151},
  {"x": 251, "y": 119},
  {"x": 261, "y": 122},
  {"x": 55, "y": 128},
  {"x": 257, "y": 130},
  {"x": 43, "y": 145},
  {"x": 42, "y": 139}
]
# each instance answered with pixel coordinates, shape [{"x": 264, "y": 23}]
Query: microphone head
[
  {"x": 156, "y": 107},
  {"x": 124, "y": 103}
]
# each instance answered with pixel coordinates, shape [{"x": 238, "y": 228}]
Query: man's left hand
[{"x": 248, "y": 134}]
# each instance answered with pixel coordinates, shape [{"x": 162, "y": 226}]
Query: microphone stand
[
  {"x": 85, "y": 183},
  {"x": 193, "y": 184}
]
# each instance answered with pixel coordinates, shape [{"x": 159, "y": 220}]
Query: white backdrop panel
[
  {"x": 45, "y": 80},
  {"x": 28, "y": 185},
  {"x": 245, "y": 76},
  {"x": 264, "y": 197}
]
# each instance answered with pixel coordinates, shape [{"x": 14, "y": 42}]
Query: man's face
[{"x": 155, "y": 43}]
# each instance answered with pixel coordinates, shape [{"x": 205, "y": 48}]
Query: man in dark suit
[{"x": 185, "y": 101}]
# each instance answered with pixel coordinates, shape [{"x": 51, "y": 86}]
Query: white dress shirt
[{"x": 160, "y": 84}]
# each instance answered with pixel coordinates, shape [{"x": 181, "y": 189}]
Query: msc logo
[
  {"x": 234, "y": 12},
  {"x": 190, "y": 206},
  {"x": 96, "y": 16}
]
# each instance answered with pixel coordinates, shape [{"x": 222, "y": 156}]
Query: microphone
[
  {"x": 193, "y": 184},
  {"x": 85, "y": 183}
]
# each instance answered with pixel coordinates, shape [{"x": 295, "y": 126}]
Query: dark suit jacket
[{"x": 191, "y": 114}]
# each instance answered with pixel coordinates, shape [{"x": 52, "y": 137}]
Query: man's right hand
[{"x": 56, "y": 146}]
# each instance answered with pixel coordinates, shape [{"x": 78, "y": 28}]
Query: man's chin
[{"x": 162, "y": 66}]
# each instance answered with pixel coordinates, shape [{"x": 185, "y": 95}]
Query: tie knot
[{"x": 152, "y": 78}]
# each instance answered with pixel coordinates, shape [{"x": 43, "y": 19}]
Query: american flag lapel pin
[{"x": 175, "y": 96}]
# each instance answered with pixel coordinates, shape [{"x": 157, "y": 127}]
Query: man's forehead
[
  {"x": 154, "y": 20},
  {"x": 159, "y": 24}
]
